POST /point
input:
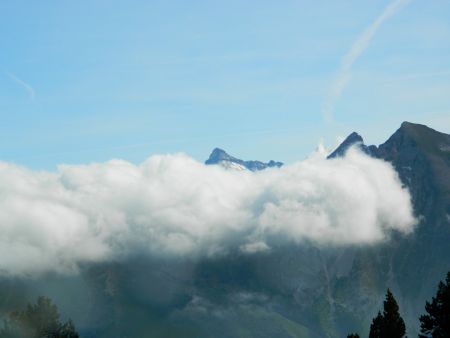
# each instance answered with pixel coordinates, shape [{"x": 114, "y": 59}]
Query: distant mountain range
[
  {"x": 301, "y": 291},
  {"x": 220, "y": 157}
]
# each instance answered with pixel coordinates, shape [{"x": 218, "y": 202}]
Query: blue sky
[{"x": 85, "y": 81}]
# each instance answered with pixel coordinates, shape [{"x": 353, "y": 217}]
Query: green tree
[
  {"x": 389, "y": 324},
  {"x": 40, "y": 320},
  {"x": 393, "y": 324},
  {"x": 376, "y": 326},
  {"x": 10, "y": 331},
  {"x": 353, "y": 335},
  {"x": 436, "y": 323},
  {"x": 67, "y": 330}
]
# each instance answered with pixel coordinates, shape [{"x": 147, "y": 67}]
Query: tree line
[
  {"x": 42, "y": 319},
  {"x": 39, "y": 320},
  {"x": 434, "y": 324}
]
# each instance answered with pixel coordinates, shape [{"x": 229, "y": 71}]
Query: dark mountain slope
[
  {"x": 411, "y": 265},
  {"x": 421, "y": 156}
]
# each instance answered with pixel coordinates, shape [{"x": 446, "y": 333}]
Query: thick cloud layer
[{"x": 174, "y": 205}]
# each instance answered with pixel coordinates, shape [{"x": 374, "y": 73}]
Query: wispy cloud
[
  {"x": 357, "y": 48},
  {"x": 30, "y": 90}
]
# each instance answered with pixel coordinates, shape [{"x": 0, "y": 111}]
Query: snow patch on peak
[{"x": 231, "y": 165}]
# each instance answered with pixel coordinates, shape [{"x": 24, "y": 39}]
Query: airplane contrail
[
  {"x": 357, "y": 48},
  {"x": 30, "y": 90}
]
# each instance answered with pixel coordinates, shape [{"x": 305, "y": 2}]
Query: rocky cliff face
[
  {"x": 421, "y": 156},
  {"x": 409, "y": 265}
]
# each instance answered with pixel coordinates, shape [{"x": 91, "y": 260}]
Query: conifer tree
[
  {"x": 375, "y": 327},
  {"x": 393, "y": 324},
  {"x": 353, "y": 335},
  {"x": 436, "y": 323},
  {"x": 389, "y": 324},
  {"x": 40, "y": 320}
]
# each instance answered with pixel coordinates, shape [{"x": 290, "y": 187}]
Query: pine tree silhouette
[
  {"x": 388, "y": 324},
  {"x": 436, "y": 323}
]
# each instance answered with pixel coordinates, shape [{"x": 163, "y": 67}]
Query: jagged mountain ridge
[
  {"x": 421, "y": 156},
  {"x": 221, "y": 157},
  {"x": 354, "y": 139},
  {"x": 298, "y": 291}
]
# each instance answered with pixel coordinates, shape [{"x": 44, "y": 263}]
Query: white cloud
[
  {"x": 174, "y": 205},
  {"x": 358, "y": 47}
]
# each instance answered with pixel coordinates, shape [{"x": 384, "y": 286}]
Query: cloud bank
[
  {"x": 172, "y": 205},
  {"x": 358, "y": 47}
]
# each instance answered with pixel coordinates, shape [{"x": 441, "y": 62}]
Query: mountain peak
[
  {"x": 353, "y": 139},
  {"x": 422, "y": 132},
  {"x": 406, "y": 124},
  {"x": 221, "y": 157},
  {"x": 218, "y": 151},
  {"x": 415, "y": 127},
  {"x": 421, "y": 135},
  {"x": 218, "y": 155}
]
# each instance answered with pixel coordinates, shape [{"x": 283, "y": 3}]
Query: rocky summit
[
  {"x": 220, "y": 157},
  {"x": 410, "y": 265}
]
